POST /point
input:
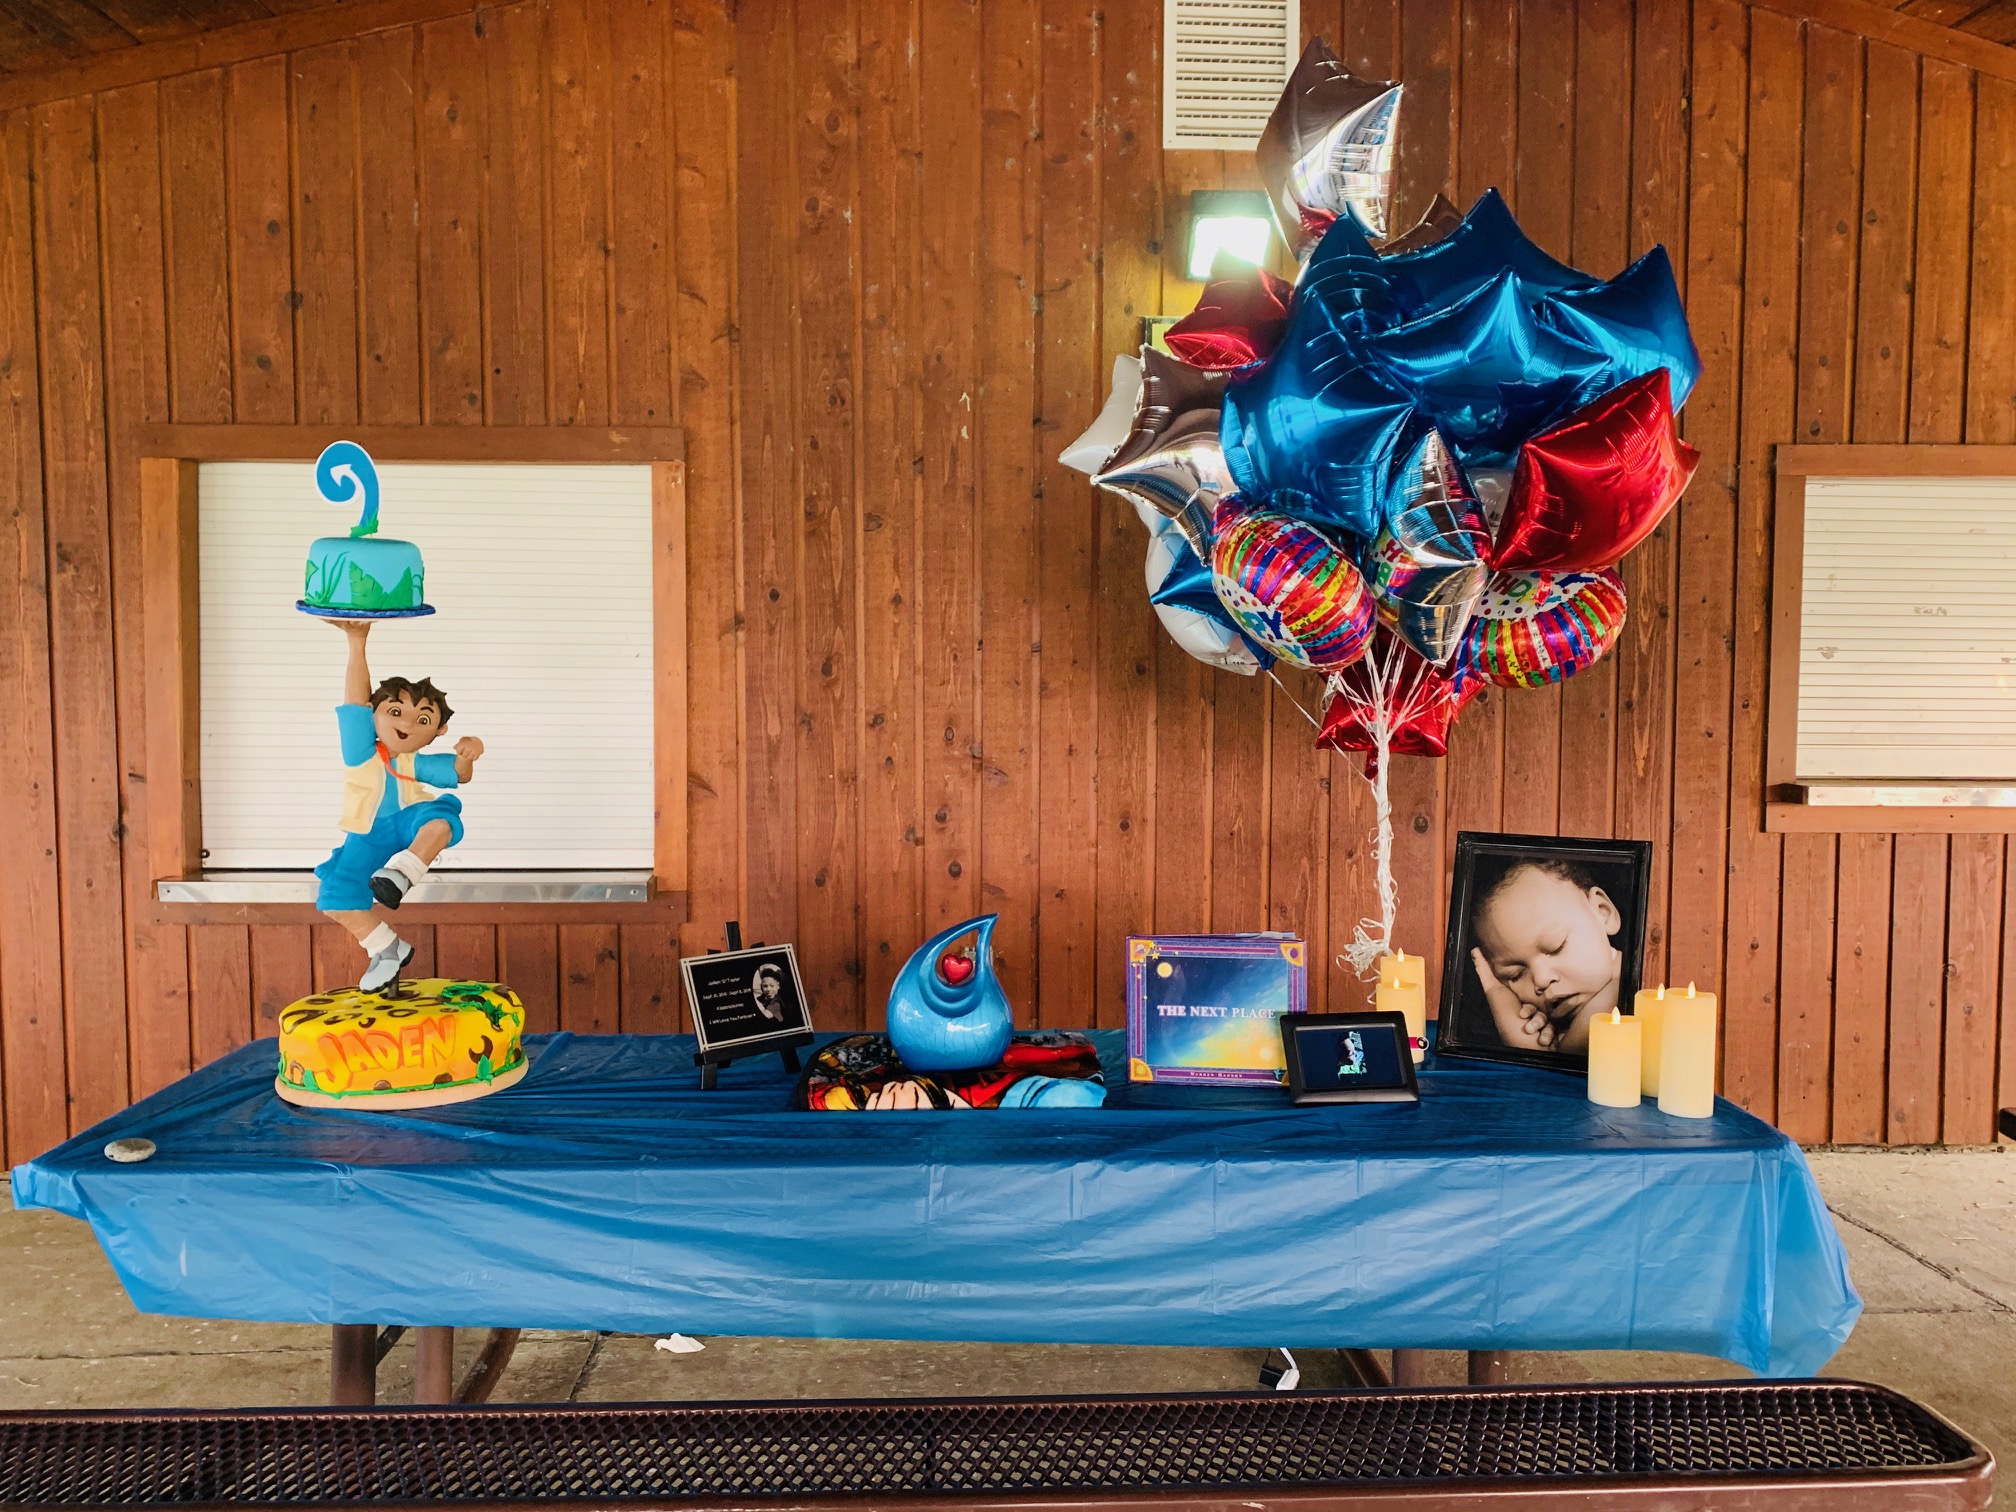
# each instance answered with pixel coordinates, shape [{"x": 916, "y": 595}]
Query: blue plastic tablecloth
[{"x": 605, "y": 1190}]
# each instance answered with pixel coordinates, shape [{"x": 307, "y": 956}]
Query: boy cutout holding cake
[{"x": 394, "y": 826}]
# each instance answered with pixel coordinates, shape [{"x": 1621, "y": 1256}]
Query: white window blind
[
  {"x": 1224, "y": 63},
  {"x": 1907, "y": 634},
  {"x": 541, "y": 579}
]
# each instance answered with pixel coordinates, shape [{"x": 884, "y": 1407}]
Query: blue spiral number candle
[{"x": 343, "y": 471}]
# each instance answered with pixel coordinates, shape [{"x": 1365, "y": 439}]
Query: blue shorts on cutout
[{"x": 346, "y": 875}]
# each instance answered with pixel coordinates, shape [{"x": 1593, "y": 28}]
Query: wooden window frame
[
  {"x": 1794, "y": 465},
  {"x": 170, "y": 459}
]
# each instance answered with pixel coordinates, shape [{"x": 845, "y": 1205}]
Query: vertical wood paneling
[
  {"x": 327, "y": 278},
  {"x": 704, "y": 116},
  {"x": 266, "y": 302},
  {"x": 388, "y": 216},
  {"x": 766, "y": 270},
  {"x": 1070, "y": 389},
  {"x": 1006, "y": 421},
  {"x": 31, "y": 943},
  {"x": 1599, "y": 221},
  {"x": 951, "y": 548},
  {"x": 201, "y": 388},
  {"x": 891, "y": 486},
  {"x": 644, "y": 960},
  {"x": 1130, "y": 198},
  {"x": 875, "y": 259},
  {"x": 1770, "y": 369},
  {"x": 1541, "y": 189},
  {"x": 826, "y": 750},
  {"x": 578, "y": 226},
  {"x": 514, "y": 215},
  {"x": 452, "y": 100},
  {"x": 136, "y": 390},
  {"x": 1706, "y": 582},
  {"x": 1487, "y": 156},
  {"x": 1661, "y": 44},
  {"x": 1973, "y": 979},
  {"x": 90, "y": 888}
]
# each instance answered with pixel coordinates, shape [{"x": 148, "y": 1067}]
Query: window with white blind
[
  {"x": 1894, "y": 650},
  {"x": 542, "y": 641}
]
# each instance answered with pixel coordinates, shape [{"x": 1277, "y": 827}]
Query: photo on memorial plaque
[
  {"x": 1545, "y": 933},
  {"x": 1348, "y": 1058},
  {"x": 746, "y": 997}
]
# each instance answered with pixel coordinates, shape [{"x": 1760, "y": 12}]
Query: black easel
[{"x": 711, "y": 1061}]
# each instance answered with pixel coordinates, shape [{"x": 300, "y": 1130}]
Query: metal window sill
[{"x": 443, "y": 897}]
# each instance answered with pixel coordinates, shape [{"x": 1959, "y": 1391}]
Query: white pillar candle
[
  {"x": 1614, "y": 1059},
  {"x": 1687, "y": 1055},
  {"x": 1649, "y": 1008},
  {"x": 1397, "y": 995},
  {"x": 1404, "y": 969}
]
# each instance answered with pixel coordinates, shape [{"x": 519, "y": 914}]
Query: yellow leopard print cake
[{"x": 439, "y": 1042}]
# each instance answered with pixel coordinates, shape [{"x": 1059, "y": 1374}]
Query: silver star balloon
[
  {"x": 1427, "y": 564},
  {"x": 1172, "y": 459},
  {"x": 1327, "y": 150}
]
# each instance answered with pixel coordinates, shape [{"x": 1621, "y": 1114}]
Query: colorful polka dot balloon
[
  {"x": 1534, "y": 628},
  {"x": 1291, "y": 588}
]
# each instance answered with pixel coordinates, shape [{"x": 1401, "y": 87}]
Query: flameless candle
[
  {"x": 1649, "y": 1008},
  {"x": 1687, "y": 1055},
  {"x": 1614, "y": 1059},
  {"x": 1405, "y": 969},
  {"x": 1397, "y": 995}
]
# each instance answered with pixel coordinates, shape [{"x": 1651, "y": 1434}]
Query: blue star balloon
[
  {"x": 1178, "y": 579},
  {"x": 1344, "y": 276},
  {"x": 1487, "y": 244},
  {"x": 1636, "y": 320},
  {"x": 1316, "y": 420},
  {"x": 1485, "y": 371}
]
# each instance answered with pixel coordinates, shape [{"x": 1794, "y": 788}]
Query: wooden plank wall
[{"x": 876, "y": 256}]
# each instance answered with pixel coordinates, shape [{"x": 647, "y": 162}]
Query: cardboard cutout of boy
[{"x": 395, "y": 827}]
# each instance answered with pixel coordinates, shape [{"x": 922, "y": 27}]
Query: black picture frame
[
  {"x": 721, "y": 995},
  {"x": 1469, "y": 1027},
  {"x": 1312, "y": 1044}
]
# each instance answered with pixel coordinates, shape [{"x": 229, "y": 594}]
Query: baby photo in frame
[{"x": 1545, "y": 933}]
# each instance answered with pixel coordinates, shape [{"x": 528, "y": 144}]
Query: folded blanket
[{"x": 1053, "y": 1068}]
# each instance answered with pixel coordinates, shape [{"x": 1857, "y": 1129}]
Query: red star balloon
[
  {"x": 1587, "y": 491},
  {"x": 1416, "y": 701},
  {"x": 1239, "y": 320}
]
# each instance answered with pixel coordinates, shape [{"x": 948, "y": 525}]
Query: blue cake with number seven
[{"x": 362, "y": 575}]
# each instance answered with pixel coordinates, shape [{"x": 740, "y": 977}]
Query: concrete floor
[{"x": 1931, "y": 1240}]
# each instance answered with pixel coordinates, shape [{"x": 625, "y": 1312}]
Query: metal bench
[{"x": 1754, "y": 1444}]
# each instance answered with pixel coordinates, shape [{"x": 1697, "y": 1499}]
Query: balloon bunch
[{"x": 1415, "y": 468}]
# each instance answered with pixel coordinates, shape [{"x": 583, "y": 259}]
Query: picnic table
[{"x": 1503, "y": 1211}]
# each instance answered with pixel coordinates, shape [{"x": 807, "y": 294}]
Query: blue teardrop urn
[{"x": 935, "y": 1025}]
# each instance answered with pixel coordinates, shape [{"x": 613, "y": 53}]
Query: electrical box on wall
[{"x": 1224, "y": 63}]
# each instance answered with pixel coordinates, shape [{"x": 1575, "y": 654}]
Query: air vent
[{"x": 1223, "y": 65}]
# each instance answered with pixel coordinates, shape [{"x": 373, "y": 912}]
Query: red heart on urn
[{"x": 956, "y": 969}]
